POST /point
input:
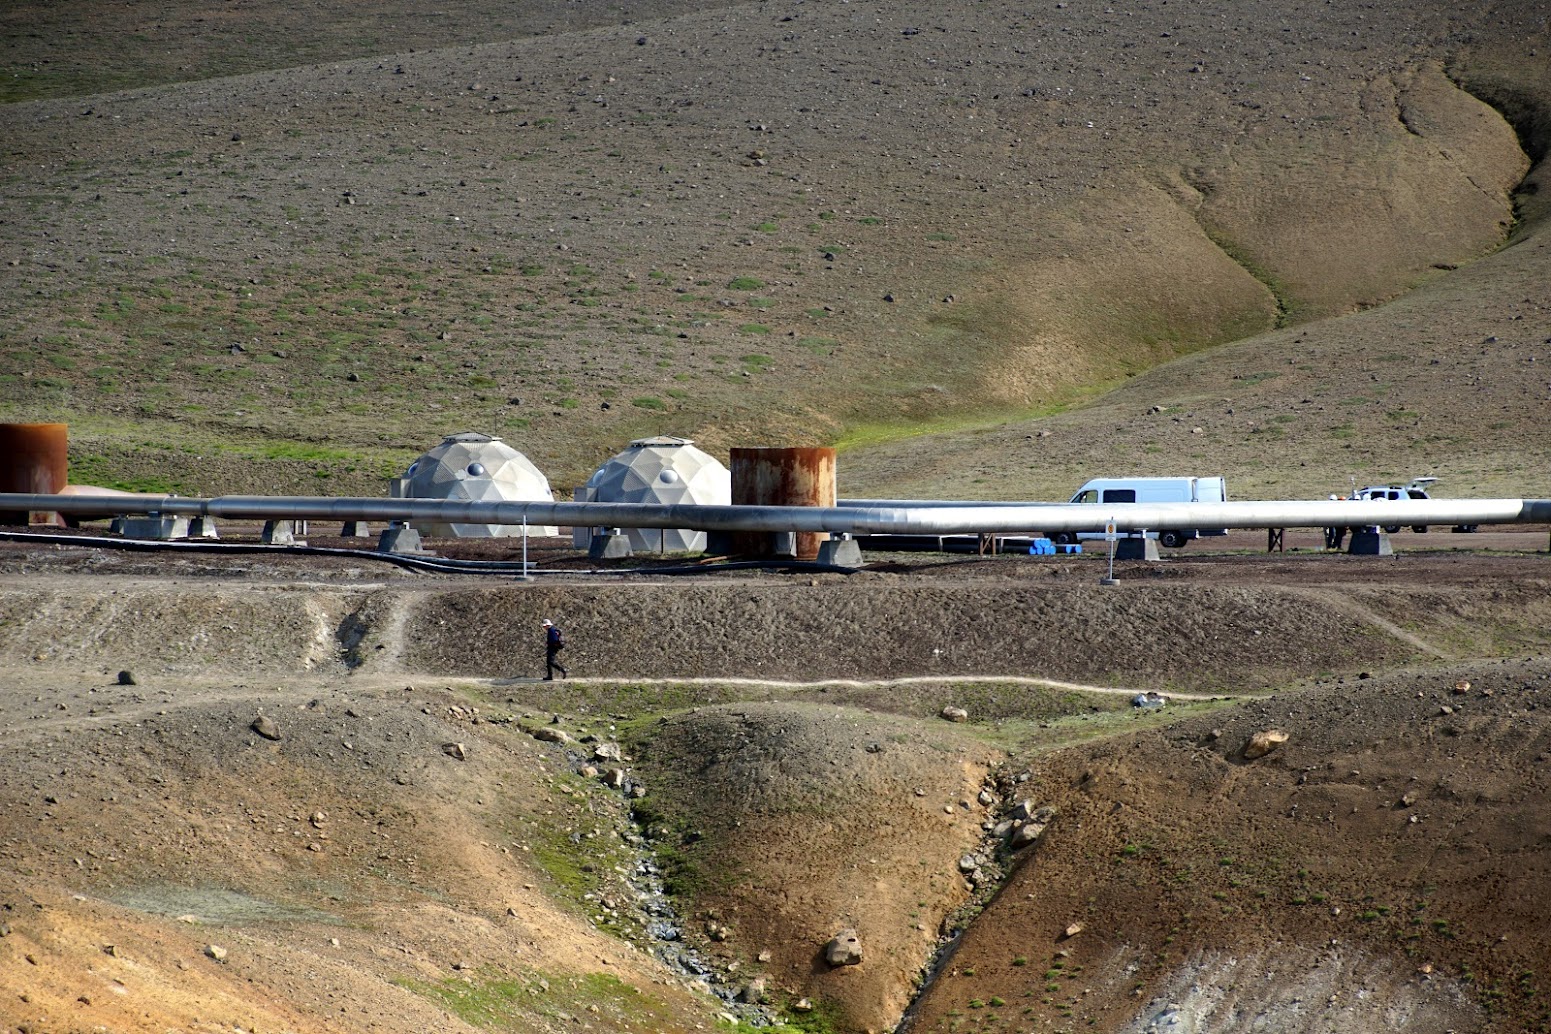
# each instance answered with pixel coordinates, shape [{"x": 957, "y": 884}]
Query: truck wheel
[
  {"x": 1420, "y": 529},
  {"x": 1172, "y": 539},
  {"x": 1392, "y": 528},
  {"x": 1064, "y": 538}
]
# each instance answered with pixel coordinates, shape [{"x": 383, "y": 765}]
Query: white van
[{"x": 1152, "y": 490}]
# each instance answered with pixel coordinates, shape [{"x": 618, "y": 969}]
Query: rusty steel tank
[
  {"x": 33, "y": 459},
  {"x": 782, "y": 477}
]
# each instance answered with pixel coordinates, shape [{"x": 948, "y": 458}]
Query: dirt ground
[{"x": 407, "y": 855}]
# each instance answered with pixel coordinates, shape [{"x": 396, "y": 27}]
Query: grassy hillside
[{"x": 935, "y": 232}]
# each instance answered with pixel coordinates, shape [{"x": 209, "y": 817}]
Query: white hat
[{"x": 548, "y": 622}]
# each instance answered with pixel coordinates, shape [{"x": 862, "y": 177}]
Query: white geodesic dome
[
  {"x": 480, "y": 468},
  {"x": 661, "y": 470}
]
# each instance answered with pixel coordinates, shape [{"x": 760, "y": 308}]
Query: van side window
[
  {"x": 1090, "y": 496},
  {"x": 1120, "y": 495}
]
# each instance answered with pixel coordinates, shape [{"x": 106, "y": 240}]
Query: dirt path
[
  {"x": 1364, "y": 614},
  {"x": 914, "y": 680}
]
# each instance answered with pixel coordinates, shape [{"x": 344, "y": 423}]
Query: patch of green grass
[
  {"x": 745, "y": 283},
  {"x": 649, "y": 402},
  {"x": 506, "y": 1002}
]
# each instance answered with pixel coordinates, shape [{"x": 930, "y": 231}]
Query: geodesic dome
[
  {"x": 661, "y": 470},
  {"x": 480, "y": 468}
]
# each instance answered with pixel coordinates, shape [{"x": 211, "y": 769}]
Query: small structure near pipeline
[{"x": 34, "y": 460}]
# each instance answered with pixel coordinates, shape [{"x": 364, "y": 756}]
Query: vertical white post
[{"x": 1109, "y": 537}]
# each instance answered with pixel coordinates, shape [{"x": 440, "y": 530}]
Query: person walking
[{"x": 554, "y": 642}]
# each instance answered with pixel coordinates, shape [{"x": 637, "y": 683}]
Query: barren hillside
[{"x": 768, "y": 224}]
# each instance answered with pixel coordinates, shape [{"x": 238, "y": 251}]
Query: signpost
[{"x": 1109, "y": 537}]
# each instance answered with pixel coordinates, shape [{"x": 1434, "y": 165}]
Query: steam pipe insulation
[{"x": 925, "y": 519}]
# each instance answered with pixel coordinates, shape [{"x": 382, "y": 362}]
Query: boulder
[
  {"x": 844, "y": 949},
  {"x": 1263, "y": 743},
  {"x": 955, "y": 714}
]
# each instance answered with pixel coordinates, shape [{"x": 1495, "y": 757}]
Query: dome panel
[
  {"x": 663, "y": 471},
  {"x": 473, "y": 466}
]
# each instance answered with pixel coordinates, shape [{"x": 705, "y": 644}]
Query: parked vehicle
[
  {"x": 1152, "y": 490},
  {"x": 1416, "y": 488}
]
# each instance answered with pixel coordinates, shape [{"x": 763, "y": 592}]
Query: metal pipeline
[{"x": 924, "y": 518}]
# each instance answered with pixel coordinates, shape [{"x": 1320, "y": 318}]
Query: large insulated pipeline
[{"x": 903, "y": 518}]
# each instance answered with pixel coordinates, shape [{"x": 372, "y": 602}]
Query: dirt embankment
[
  {"x": 395, "y": 850},
  {"x": 1199, "y": 625},
  {"x": 1388, "y": 860}
]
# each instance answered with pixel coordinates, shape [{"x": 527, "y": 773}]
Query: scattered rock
[
  {"x": 549, "y": 734},
  {"x": 1028, "y": 811},
  {"x": 1263, "y": 743},
  {"x": 844, "y": 949},
  {"x": 216, "y": 952},
  {"x": 802, "y": 1005},
  {"x": 955, "y": 714},
  {"x": 126, "y": 678},
  {"x": 1462, "y": 687},
  {"x": 265, "y": 728},
  {"x": 968, "y": 864},
  {"x": 456, "y": 751},
  {"x": 753, "y": 992},
  {"x": 1030, "y": 823},
  {"x": 607, "y": 752},
  {"x": 1071, "y": 931}
]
